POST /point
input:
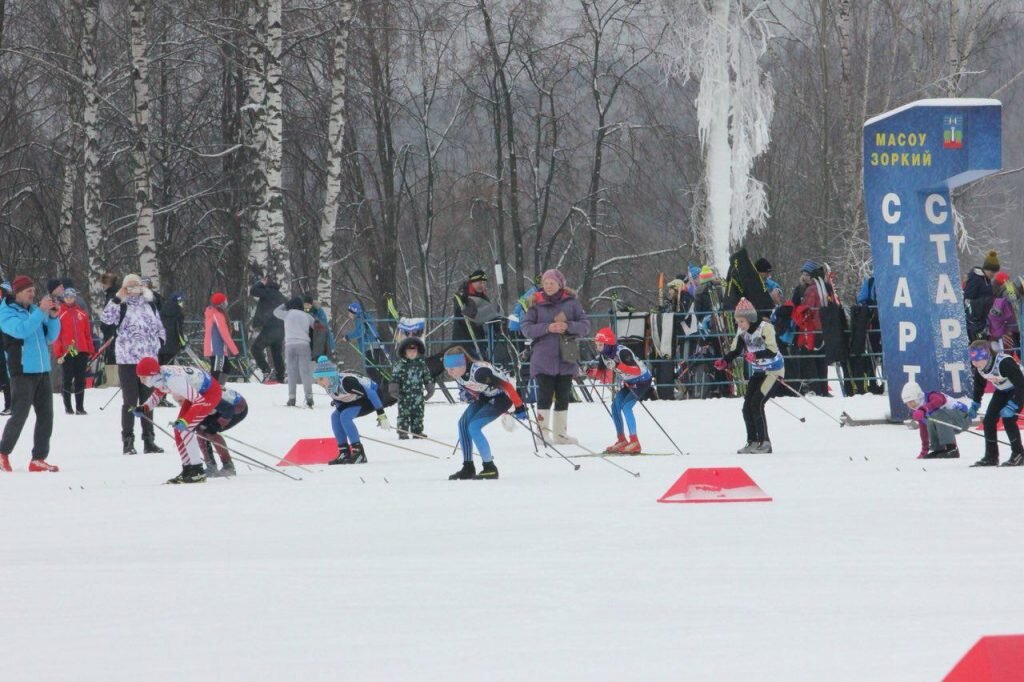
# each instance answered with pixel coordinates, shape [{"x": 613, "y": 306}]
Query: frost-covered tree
[
  {"x": 144, "y": 223},
  {"x": 720, "y": 43}
]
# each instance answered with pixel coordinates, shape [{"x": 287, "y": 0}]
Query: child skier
[
  {"x": 197, "y": 392},
  {"x": 490, "y": 393},
  {"x": 412, "y": 376},
  {"x": 217, "y": 342},
  {"x": 755, "y": 340},
  {"x": 1008, "y": 381},
  {"x": 636, "y": 383},
  {"x": 940, "y": 417},
  {"x": 231, "y": 410},
  {"x": 352, "y": 395},
  {"x": 73, "y": 348}
]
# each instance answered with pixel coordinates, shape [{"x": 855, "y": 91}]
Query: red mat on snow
[
  {"x": 311, "y": 451},
  {"x": 726, "y": 484},
  {"x": 997, "y": 658}
]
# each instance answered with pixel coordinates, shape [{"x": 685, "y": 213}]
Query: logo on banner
[{"x": 953, "y": 132}]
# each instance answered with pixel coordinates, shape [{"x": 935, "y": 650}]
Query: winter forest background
[{"x": 393, "y": 146}]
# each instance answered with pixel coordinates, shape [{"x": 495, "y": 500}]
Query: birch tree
[
  {"x": 278, "y": 261},
  {"x": 145, "y": 227},
  {"x": 89, "y": 11},
  {"x": 335, "y": 156}
]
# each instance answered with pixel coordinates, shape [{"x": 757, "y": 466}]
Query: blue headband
[
  {"x": 979, "y": 354},
  {"x": 454, "y": 360}
]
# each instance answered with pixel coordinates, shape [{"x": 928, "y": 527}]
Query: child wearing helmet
[
  {"x": 940, "y": 417},
  {"x": 755, "y": 340},
  {"x": 1008, "y": 381},
  {"x": 636, "y": 383}
]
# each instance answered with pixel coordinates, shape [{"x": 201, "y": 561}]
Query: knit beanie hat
[
  {"x": 912, "y": 391},
  {"x": 605, "y": 336},
  {"x": 324, "y": 368},
  {"x": 991, "y": 262},
  {"x": 20, "y": 283},
  {"x": 809, "y": 267},
  {"x": 478, "y": 276},
  {"x": 694, "y": 272},
  {"x": 54, "y": 284},
  {"x": 1001, "y": 278},
  {"x": 218, "y": 299},
  {"x": 355, "y": 308},
  {"x": 706, "y": 274},
  {"x": 555, "y": 275},
  {"x": 762, "y": 265},
  {"x": 745, "y": 311}
]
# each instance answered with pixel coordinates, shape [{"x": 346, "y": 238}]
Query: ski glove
[
  {"x": 1009, "y": 411},
  {"x": 608, "y": 362},
  {"x": 721, "y": 364},
  {"x": 382, "y": 422},
  {"x": 139, "y": 411},
  {"x": 750, "y": 357},
  {"x": 180, "y": 425},
  {"x": 973, "y": 412},
  {"x": 521, "y": 414},
  {"x": 919, "y": 416}
]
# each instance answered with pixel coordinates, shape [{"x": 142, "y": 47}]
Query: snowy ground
[{"x": 866, "y": 568}]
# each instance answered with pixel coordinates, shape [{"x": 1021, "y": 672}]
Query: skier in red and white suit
[{"x": 198, "y": 394}]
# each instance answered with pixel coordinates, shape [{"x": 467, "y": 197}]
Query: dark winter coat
[
  {"x": 109, "y": 330},
  {"x": 269, "y": 296},
  {"x": 977, "y": 302},
  {"x": 545, "y": 358},
  {"x": 460, "y": 326},
  {"x": 173, "y": 320}
]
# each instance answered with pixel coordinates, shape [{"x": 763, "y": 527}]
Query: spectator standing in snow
[
  {"x": 323, "y": 337},
  {"x": 218, "y": 345},
  {"x": 73, "y": 348},
  {"x": 173, "y": 318},
  {"x": 1003, "y": 330},
  {"x": 271, "y": 329},
  {"x": 6, "y": 293},
  {"x": 111, "y": 285},
  {"x": 28, "y": 331},
  {"x": 140, "y": 334},
  {"x": 298, "y": 325},
  {"x": 466, "y": 331},
  {"x": 978, "y": 295},
  {"x": 554, "y": 321}
]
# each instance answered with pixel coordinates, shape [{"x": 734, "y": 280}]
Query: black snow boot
[
  {"x": 467, "y": 472},
  {"x": 987, "y": 461},
  {"x": 948, "y": 451},
  {"x": 344, "y": 455},
  {"x": 128, "y": 445},
  {"x": 402, "y": 435},
  {"x": 358, "y": 454},
  {"x": 149, "y": 446},
  {"x": 1016, "y": 460},
  {"x": 489, "y": 471}
]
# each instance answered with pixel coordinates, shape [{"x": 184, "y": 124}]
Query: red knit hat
[
  {"x": 1001, "y": 277},
  {"x": 745, "y": 310},
  {"x": 605, "y": 336},
  {"x": 147, "y": 367},
  {"x": 20, "y": 283},
  {"x": 218, "y": 299}
]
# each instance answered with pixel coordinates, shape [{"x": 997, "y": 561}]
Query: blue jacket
[
  {"x": 364, "y": 335},
  {"x": 29, "y": 334}
]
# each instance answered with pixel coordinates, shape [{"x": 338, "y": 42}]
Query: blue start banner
[{"x": 913, "y": 157}]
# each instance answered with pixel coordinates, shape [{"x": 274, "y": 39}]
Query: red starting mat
[
  {"x": 998, "y": 658},
  {"x": 727, "y": 484},
  {"x": 311, "y": 451}
]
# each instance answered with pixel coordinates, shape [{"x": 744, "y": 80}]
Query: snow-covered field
[{"x": 869, "y": 564}]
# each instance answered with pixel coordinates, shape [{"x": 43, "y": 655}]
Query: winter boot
[
  {"x": 763, "y": 448},
  {"x": 1016, "y": 460},
  {"x": 290, "y": 403},
  {"x": 358, "y": 454},
  {"x": 190, "y": 473},
  {"x": 943, "y": 452},
  {"x": 128, "y": 445},
  {"x": 488, "y": 470},
  {"x": 81, "y": 411},
  {"x": 5, "y": 464},
  {"x": 559, "y": 426},
  {"x": 227, "y": 467},
  {"x": 41, "y": 465},
  {"x": 149, "y": 446},
  {"x": 633, "y": 447},
  {"x": 309, "y": 403},
  {"x": 750, "y": 447},
  {"x": 402, "y": 435},
  {"x": 344, "y": 455},
  {"x": 987, "y": 461},
  {"x": 617, "y": 445},
  {"x": 467, "y": 472}
]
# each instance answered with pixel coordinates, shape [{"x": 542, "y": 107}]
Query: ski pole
[
  {"x": 818, "y": 408},
  {"x": 422, "y": 437},
  {"x": 604, "y": 458},
  {"x": 529, "y": 428},
  {"x": 777, "y": 404},
  {"x": 111, "y": 399},
  {"x": 400, "y": 447},
  {"x": 968, "y": 430},
  {"x": 264, "y": 452},
  {"x": 245, "y": 458},
  {"x": 533, "y": 437},
  {"x": 641, "y": 403}
]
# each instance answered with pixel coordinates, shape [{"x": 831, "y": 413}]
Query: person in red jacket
[
  {"x": 72, "y": 349},
  {"x": 217, "y": 343}
]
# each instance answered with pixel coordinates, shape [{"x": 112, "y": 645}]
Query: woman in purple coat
[{"x": 554, "y": 313}]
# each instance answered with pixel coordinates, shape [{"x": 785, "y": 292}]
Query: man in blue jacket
[{"x": 29, "y": 330}]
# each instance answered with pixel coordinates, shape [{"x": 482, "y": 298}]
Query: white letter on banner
[
  {"x": 891, "y": 208},
  {"x": 902, "y": 297},
  {"x": 944, "y": 292},
  {"x": 940, "y": 245},
  {"x": 908, "y": 334},
  {"x": 911, "y": 372},
  {"x": 950, "y": 330},
  {"x": 897, "y": 241},
  {"x": 938, "y": 218},
  {"x": 954, "y": 369}
]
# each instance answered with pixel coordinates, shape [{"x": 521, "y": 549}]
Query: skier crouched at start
[
  {"x": 198, "y": 394},
  {"x": 352, "y": 395},
  {"x": 490, "y": 393},
  {"x": 1006, "y": 377},
  {"x": 755, "y": 339},
  {"x": 939, "y": 417},
  {"x": 231, "y": 410},
  {"x": 636, "y": 383}
]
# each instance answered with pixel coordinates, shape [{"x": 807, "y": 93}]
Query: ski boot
[
  {"x": 632, "y": 447},
  {"x": 149, "y": 447},
  {"x": 617, "y": 446},
  {"x": 344, "y": 455},
  {"x": 190, "y": 473},
  {"x": 750, "y": 447},
  {"x": 5, "y": 463},
  {"x": 487, "y": 471},
  {"x": 943, "y": 452},
  {"x": 41, "y": 465},
  {"x": 987, "y": 461},
  {"x": 227, "y": 467},
  {"x": 763, "y": 448},
  {"x": 358, "y": 454},
  {"x": 128, "y": 445},
  {"x": 81, "y": 411},
  {"x": 211, "y": 466},
  {"x": 1016, "y": 460},
  {"x": 467, "y": 472}
]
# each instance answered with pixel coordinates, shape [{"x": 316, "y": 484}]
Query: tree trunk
[
  {"x": 717, "y": 165},
  {"x": 255, "y": 133},
  {"x": 336, "y": 157},
  {"x": 146, "y": 237},
  {"x": 92, "y": 201},
  {"x": 278, "y": 262}
]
